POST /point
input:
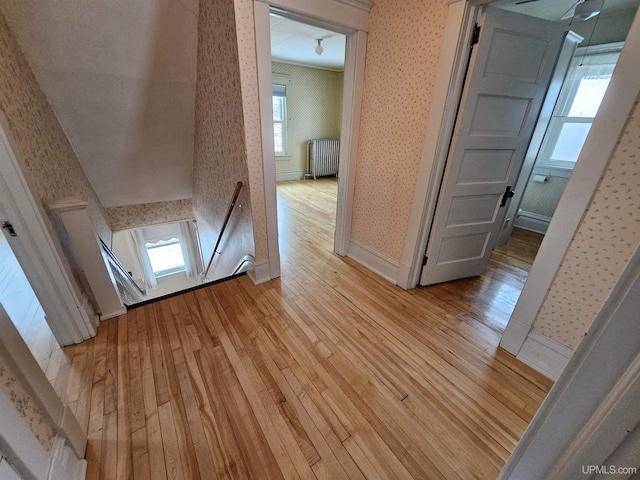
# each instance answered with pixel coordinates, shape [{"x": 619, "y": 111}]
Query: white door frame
[
  {"x": 590, "y": 417},
  {"x": 37, "y": 254},
  {"x": 607, "y": 128},
  {"x": 351, "y": 18},
  {"x": 23, "y": 450}
]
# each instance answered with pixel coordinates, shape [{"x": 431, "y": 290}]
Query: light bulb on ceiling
[{"x": 319, "y": 48}]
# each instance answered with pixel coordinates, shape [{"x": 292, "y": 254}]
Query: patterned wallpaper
[
  {"x": 50, "y": 164},
  {"x": 606, "y": 238},
  {"x": 402, "y": 56},
  {"x": 145, "y": 214},
  {"x": 26, "y": 407},
  {"x": 220, "y": 158},
  {"x": 246, "y": 45},
  {"x": 314, "y": 110},
  {"x": 543, "y": 198}
]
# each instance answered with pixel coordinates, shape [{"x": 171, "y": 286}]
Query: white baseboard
[
  {"x": 64, "y": 464},
  {"x": 374, "y": 260},
  {"x": 284, "y": 176},
  {"x": 544, "y": 355},
  {"x": 532, "y": 221},
  {"x": 260, "y": 271},
  {"x": 514, "y": 335}
]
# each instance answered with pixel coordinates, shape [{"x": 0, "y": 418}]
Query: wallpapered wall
[
  {"x": 246, "y": 45},
  {"x": 402, "y": 56},
  {"x": 145, "y": 214},
  {"x": 25, "y": 405},
  {"x": 314, "y": 110},
  {"x": 602, "y": 246},
  {"x": 49, "y": 162},
  {"x": 220, "y": 158},
  {"x": 543, "y": 198}
]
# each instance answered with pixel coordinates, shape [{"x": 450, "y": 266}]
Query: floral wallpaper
[
  {"x": 246, "y": 48},
  {"x": 145, "y": 214},
  {"x": 605, "y": 240},
  {"x": 402, "y": 55},
  {"x": 48, "y": 161},
  {"x": 26, "y": 407},
  {"x": 314, "y": 110},
  {"x": 220, "y": 155}
]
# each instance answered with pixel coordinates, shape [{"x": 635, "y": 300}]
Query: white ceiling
[
  {"x": 294, "y": 42},
  {"x": 120, "y": 75},
  {"x": 555, "y": 9}
]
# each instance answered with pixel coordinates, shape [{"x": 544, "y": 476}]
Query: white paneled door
[{"x": 508, "y": 77}]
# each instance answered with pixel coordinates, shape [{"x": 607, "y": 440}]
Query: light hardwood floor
[{"x": 329, "y": 372}]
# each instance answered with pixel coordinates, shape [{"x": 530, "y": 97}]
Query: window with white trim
[
  {"x": 165, "y": 256},
  {"x": 280, "y": 83},
  {"x": 582, "y": 92}
]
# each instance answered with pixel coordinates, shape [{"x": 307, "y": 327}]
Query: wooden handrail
[{"x": 234, "y": 198}]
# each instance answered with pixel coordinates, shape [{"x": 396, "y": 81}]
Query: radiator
[{"x": 323, "y": 155}]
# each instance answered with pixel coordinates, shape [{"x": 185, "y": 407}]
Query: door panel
[{"x": 509, "y": 74}]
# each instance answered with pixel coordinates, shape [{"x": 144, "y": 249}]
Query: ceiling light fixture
[
  {"x": 319, "y": 48},
  {"x": 587, "y": 9}
]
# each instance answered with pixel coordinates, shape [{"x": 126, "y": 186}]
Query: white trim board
[
  {"x": 41, "y": 261},
  {"x": 286, "y": 176},
  {"x": 590, "y": 416},
  {"x": 532, "y": 221},
  {"x": 351, "y": 18},
  {"x": 374, "y": 260},
  {"x": 544, "y": 355}
]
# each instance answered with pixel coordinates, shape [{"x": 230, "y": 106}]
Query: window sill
[
  {"x": 166, "y": 276},
  {"x": 283, "y": 156}
]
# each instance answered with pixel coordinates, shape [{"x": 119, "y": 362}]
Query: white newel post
[{"x": 86, "y": 244}]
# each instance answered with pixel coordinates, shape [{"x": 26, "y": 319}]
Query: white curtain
[
  {"x": 141, "y": 257},
  {"x": 190, "y": 249}
]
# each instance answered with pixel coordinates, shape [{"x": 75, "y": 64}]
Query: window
[
  {"x": 583, "y": 90},
  {"x": 280, "y": 83},
  {"x": 165, "y": 256}
]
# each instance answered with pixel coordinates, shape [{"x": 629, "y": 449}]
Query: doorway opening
[
  {"x": 594, "y": 32},
  {"x": 23, "y": 308},
  {"x": 307, "y": 66}
]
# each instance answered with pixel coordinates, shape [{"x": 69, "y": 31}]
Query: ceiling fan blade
[
  {"x": 521, "y": 2},
  {"x": 569, "y": 13}
]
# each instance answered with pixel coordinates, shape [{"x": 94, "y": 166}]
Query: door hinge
[
  {"x": 475, "y": 38},
  {"x": 424, "y": 260},
  {"x": 7, "y": 227}
]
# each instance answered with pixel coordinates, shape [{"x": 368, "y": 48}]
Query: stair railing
[{"x": 234, "y": 198}]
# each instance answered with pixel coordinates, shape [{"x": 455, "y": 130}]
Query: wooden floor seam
[{"x": 328, "y": 372}]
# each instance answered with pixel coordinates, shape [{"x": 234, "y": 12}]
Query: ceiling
[
  {"x": 294, "y": 42},
  {"x": 120, "y": 75},
  {"x": 555, "y": 9}
]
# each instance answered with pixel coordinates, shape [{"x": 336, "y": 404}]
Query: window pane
[
  {"x": 278, "y": 108},
  {"x": 589, "y": 96},
  {"x": 166, "y": 257},
  {"x": 570, "y": 141},
  {"x": 277, "y": 138}
]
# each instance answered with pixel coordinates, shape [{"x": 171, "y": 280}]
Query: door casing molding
[
  {"x": 40, "y": 260},
  {"x": 607, "y": 128},
  {"x": 351, "y": 18}
]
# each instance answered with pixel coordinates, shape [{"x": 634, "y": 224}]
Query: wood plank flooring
[{"x": 329, "y": 372}]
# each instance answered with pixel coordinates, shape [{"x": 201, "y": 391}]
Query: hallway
[{"x": 327, "y": 372}]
